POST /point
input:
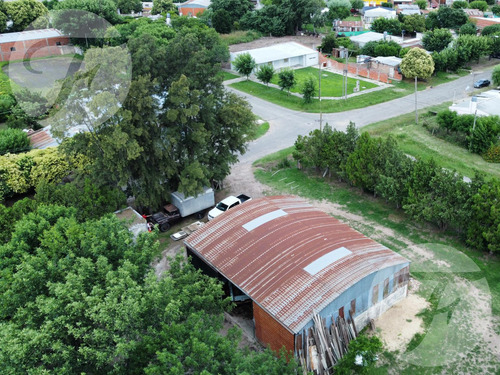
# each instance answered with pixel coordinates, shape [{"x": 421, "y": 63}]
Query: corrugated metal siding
[
  {"x": 268, "y": 262},
  {"x": 269, "y": 332}
]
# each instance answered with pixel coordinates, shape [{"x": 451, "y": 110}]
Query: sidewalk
[{"x": 381, "y": 85}]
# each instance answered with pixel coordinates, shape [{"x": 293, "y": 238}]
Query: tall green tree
[
  {"x": 129, "y": 6},
  {"x": 24, "y": 12},
  {"x": 417, "y": 63},
  {"x": 232, "y": 10},
  {"x": 392, "y": 26},
  {"x": 437, "y": 39},
  {"x": 414, "y": 23},
  {"x": 308, "y": 89},
  {"x": 286, "y": 79},
  {"x": 265, "y": 73},
  {"x": 163, "y": 6},
  {"x": 244, "y": 64}
]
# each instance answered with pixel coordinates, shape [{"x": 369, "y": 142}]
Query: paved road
[{"x": 287, "y": 124}]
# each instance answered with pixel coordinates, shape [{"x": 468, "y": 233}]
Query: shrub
[
  {"x": 328, "y": 43},
  {"x": 459, "y": 4},
  {"x": 422, "y": 4},
  {"x": 481, "y": 5},
  {"x": 495, "y": 76},
  {"x": 493, "y": 154},
  {"x": 19, "y": 173},
  {"x": 13, "y": 141},
  {"x": 265, "y": 74},
  {"x": 308, "y": 89},
  {"x": 468, "y": 29},
  {"x": 496, "y": 10},
  {"x": 492, "y": 29}
]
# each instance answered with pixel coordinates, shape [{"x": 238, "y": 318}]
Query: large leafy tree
[
  {"x": 437, "y": 39},
  {"x": 82, "y": 298},
  {"x": 71, "y": 20},
  {"x": 129, "y": 6},
  {"x": 23, "y": 13},
  {"x": 244, "y": 64},
  {"x": 417, "y": 63},
  {"x": 232, "y": 9},
  {"x": 392, "y": 26},
  {"x": 414, "y": 23},
  {"x": 158, "y": 142},
  {"x": 163, "y": 6}
]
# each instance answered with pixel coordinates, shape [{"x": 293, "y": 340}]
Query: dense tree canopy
[
  {"x": 437, "y": 39},
  {"x": 157, "y": 143},
  {"x": 24, "y": 12},
  {"x": 392, "y": 26},
  {"x": 81, "y": 297}
]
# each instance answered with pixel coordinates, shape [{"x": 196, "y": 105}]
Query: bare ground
[{"x": 308, "y": 41}]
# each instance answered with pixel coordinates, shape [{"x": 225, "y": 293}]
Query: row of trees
[
  {"x": 245, "y": 64},
  {"x": 423, "y": 190},
  {"x": 478, "y": 135}
]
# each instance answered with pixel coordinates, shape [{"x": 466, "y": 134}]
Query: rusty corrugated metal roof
[
  {"x": 42, "y": 139},
  {"x": 268, "y": 262}
]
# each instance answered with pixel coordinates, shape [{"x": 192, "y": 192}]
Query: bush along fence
[
  {"x": 478, "y": 135},
  {"x": 423, "y": 190}
]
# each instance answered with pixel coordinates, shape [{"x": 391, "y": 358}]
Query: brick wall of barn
[
  {"x": 22, "y": 50},
  {"x": 270, "y": 332}
]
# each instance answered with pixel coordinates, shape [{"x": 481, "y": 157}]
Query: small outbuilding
[
  {"x": 292, "y": 260},
  {"x": 372, "y": 36},
  {"x": 371, "y": 15},
  {"x": 283, "y": 55}
]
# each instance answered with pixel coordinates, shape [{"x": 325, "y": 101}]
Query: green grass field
[
  {"x": 398, "y": 90},
  {"x": 449, "y": 298},
  {"x": 415, "y": 140},
  {"x": 227, "y": 76},
  {"x": 331, "y": 83}
]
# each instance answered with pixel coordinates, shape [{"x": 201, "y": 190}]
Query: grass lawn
[
  {"x": 227, "y": 76},
  {"x": 415, "y": 140},
  {"x": 398, "y": 90},
  {"x": 331, "y": 83},
  {"x": 399, "y": 230}
]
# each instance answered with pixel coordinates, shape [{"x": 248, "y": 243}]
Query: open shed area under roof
[{"x": 289, "y": 257}]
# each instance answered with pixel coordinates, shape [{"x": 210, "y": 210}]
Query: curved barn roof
[{"x": 287, "y": 256}]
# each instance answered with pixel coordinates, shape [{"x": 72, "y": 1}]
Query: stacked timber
[{"x": 320, "y": 348}]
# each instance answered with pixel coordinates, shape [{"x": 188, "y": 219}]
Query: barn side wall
[
  {"x": 43, "y": 47},
  {"x": 270, "y": 332},
  {"x": 384, "y": 288}
]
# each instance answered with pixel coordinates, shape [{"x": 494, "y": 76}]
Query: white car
[
  {"x": 227, "y": 204},
  {"x": 179, "y": 235}
]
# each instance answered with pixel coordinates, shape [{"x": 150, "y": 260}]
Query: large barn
[
  {"x": 283, "y": 55},
  {"x": 291, "y": 260}
]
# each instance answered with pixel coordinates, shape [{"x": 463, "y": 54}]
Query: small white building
[
  {"x": 372, "y": 14},
  {"x": 484, "y": 104},
  {"x": 372, "y": 36},
  {"x": 284, "y": 55}
]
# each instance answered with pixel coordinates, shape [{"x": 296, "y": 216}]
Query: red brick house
[{"x": 33, "y": 43}]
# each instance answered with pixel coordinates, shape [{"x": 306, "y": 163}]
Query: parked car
[
  {"x": 481, "y": 83},
  {"x": 226, "y": 204},
  {"x": 179, "y": 235}
]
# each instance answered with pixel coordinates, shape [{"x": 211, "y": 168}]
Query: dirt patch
[
  {"x": 399, "y": 324},
  {"x": 308, "y": 41}
]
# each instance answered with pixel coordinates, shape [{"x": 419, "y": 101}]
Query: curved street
[{"x": 286, "y": 124}]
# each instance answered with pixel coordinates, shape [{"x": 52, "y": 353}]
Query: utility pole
[
  {"x": 346, "y": 51},
  {"x": 416, "y": 110},
  {"x": 319, "y": 92}
]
